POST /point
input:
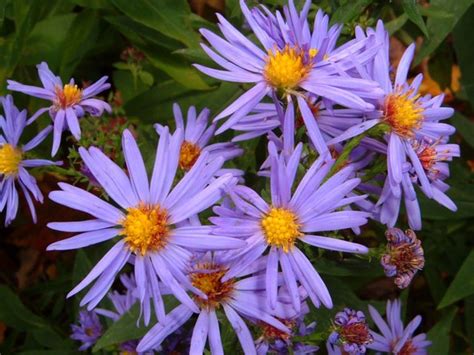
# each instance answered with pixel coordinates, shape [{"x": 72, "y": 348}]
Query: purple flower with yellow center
[
  {"x": 351, "y": 332},
  {"x": 276, "y": 227},
  {"x": 197, "y": 134},
  {"x": 408, "y": 117},
  {"x": 404, "y": 256},
  {"x": 237, "y": 298},
  {"x": 150, "y": 220},
  {"x": 394, "y": 337},
  {"x": 68, "y": 102},
  {"x": 292, "y": 63},
  {"x": 88, "y": 331},
  {"x": 14, "y": 161}
]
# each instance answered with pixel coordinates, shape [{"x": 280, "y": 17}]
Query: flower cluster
[{"x": 191, "y": 228}]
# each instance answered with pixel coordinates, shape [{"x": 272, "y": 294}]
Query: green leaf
[
  {"x": 26, "y": 14},
  {"x": 469, "y": 318},
  {"x": 464, "y": 47},
  {"x": 169, "y": 17},
  {"x": 464, "y": 127},
  {"x": 146, "y": 77},
  {"x": 14, "y": 314},
  {"x": 439, "y": 334},
  {"x": 462, "y": 285},
  {"x": 440, "y": 27},
  {"x": 155, "y": 104},
  {"x": 122, "y": 330},
  {"x": 411, "y": 8},
  {"x": 45, "y": 41},
  {"x": 349, "y": 11},
  {"x": 176, "y": 67},
  {"x": 81, "y": 37},
  {"x": 396, "y": 24}
]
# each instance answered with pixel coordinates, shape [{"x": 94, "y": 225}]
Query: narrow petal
[
  {"x": 135, "y": 165},
  {"x": 84, "y": 239},
  {"x": 199, "y": 337},
  {"x": 334, "y": 244}
]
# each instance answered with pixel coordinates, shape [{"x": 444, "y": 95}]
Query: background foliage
[{"x": 147, "y": 48}]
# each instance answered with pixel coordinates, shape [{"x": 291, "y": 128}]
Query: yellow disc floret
[
  {"x": 208, "y": 279},
  {"x": 281, "y": 228},
  {"x": 188, "y": 155},
  {"x": 403, "y": 113},
  {"x": 286, "y": 68},
  {"x": 10, "y": 159},
  {"x": 145, "y": 228},
  {"x": 68, "y": 96}
]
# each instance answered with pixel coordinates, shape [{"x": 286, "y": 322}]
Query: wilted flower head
[
  {"x": 351, "y": 332},
  {"x": 68, "y": 102},
  {"x": 13, "y": 161},
  {"x": 274, "y": 341},
  {"x": 88, "y": 331},
  {"x": 404, "y": 256},
  {"x": 394, "y": 337}
]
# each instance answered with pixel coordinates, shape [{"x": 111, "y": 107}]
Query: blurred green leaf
[
  {"x": 464, "y": 47},
  {"x": 26, "y": 14},
  {"x": 45, "y": 41},
  {"x": 440, "y": 27},
  {"x": 469, "y": 318},
  {"x": 439, "y": 334},
  {"x": 349, "y": 11},
  {"x": 464, "y": 127},
  {"x": 170, "y": 17},
  {"x": 81, "y": 37},
  {"x": 411, "y": 8},
  {"x": 122, "y": 330},
  {"x": 14, "y": 314},
  {"x": 462, "y": 285},
  {"x": 396, "y": 24},
  {"x": 177, "y": 68},
  {"x": 93, "y": 4},
  {"x": 155, "y": 104}
]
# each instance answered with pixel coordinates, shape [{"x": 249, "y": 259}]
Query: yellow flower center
[
  {"x": 207, "y": 278},
  {"x": 10, "y": 158},
  {"x": 286, "y": 68},
  {"x": 281, "y": 228},
  {"x": 188, "y": 155},
  {"x": 68, "y": 96},
  {"x": 403, "y": 113},
  {"x": 145, "y": 228}
]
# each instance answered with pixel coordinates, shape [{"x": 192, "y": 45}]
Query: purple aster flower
[
  {"x": 293, "y": 62},
  {"x": 237, "y": 298},
  {"x": 351, "y": 332},
  {"x": 313, "y": 208},
  {"x": 196, "y": 138},
  {"x": 88, "y": 331},
  {"x": 408, "y": 118},
  {"x": 68, "y": 102},
  {"x": 404, "y": 256},
  {"x": 151, "y": 220},
  {"x": 274, "y": 341},
  {"x": 394, "y": 337},
  {"x": 14, "y": 161}
]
